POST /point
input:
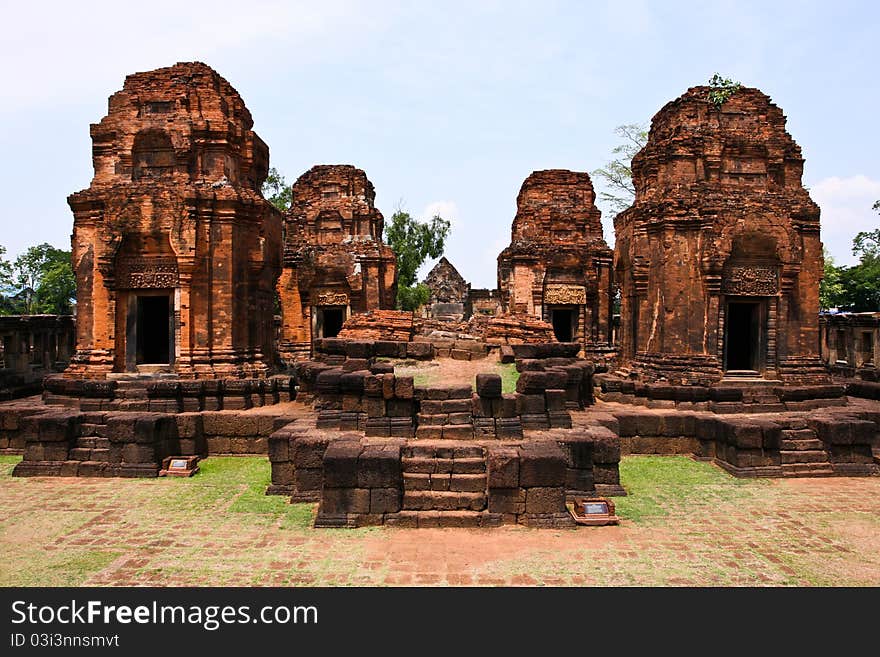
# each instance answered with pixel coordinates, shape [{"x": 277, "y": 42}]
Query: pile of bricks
[
  {"x": 455, "y": 346},
  {"x": 518, "y": 328},
  {"x": 67, "y": 443},
  {"x": 397, "y": 325}
]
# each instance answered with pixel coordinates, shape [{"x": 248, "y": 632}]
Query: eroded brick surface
[{"x": 720, "y": 216}]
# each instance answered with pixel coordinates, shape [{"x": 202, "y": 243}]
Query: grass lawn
[{"x": 684, "y": 522}]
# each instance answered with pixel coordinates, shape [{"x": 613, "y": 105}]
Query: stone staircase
[
  {"x": 760, "y": 397},
  {"x": 89, "y": 445},
  {"x": 444, "y": 485},
  {"x": 803, "y": 454}
]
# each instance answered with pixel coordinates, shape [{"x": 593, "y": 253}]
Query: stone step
[
  {"x": 798, "y": 434},
  {"x": 805, "y": 456},
  {"x": 86, "y": 442},
  {"x": 801, "y": 445},
  {"x": 761, "y": 399},
  {"x": 445, "y": 432},
  {"x": 80, "y": 454},
  {"x": 807, "y": 470},
  {"x": 764, "y": 408},
  {"x": 131, "y": 393},
  {"x": 443, "y": 501},
  {"x": 443, "y": 449},
  {"x": 423, "y": 519},
  {"x": 89, "y": 429},
  {"x": 420, "y": 465},
  {"x": 463, "y": 483}
]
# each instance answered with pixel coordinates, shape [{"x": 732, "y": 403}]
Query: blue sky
[{"x": 446, "y": 105}]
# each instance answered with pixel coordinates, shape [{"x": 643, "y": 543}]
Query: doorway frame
[
  {"x": 575, "y": 311},
  {"x": 759, "y": 358},
  {"x": 131, "y": 326},
  {"x": 318, "y": 318}
]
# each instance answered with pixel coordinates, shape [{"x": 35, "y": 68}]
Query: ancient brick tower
[
  {"x": 175, "y": 250},
  {"x": 719, "y": 258},
  {"x": 335, "y": 262},
  {"x": 558, "y": 266}
]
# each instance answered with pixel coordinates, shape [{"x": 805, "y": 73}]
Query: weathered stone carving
[
  {"x": 750, "y": 281},
  {"x": 134, "y": 273},
  {"x": 565, "y": 294},
  {"x": 332, "y": 299}
]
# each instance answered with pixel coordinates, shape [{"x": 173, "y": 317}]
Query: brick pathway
[{"x": 220, "y": 530}]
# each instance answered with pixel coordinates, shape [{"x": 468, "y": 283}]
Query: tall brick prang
[
  {"x": 175, "y": 250},
  {"x": 335, "y": 262},
  {"x": 719, "y": 258},
  {"x": 558, "y": 266}
]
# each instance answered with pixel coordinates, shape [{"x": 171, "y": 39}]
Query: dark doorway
[
  {"x": 742, "y": 336},
  {"x": 153, "y": 335},
  {"x": 330, "y": 322},
  {"x": 563, "y": 323}
]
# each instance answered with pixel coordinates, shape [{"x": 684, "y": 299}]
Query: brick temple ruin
[
  {"x": 177, "y": 256},
  {"x": 719, "y": 258},
  {"x": 851, "y": 344},
  {"x": 32, "y": 347},
  {"x": 558, "y": 266},
  {"x": 335, "y": 262},
  {"x": 175, "y": 250}
]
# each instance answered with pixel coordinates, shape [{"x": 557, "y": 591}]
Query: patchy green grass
[
  {"x": 684, "y": 523},
  {"x": 509, "y": 376},
  {"x": 659, "y": 486},
  {"x": 7, "y": 462}
]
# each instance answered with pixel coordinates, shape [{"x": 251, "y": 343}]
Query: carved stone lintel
[
  {"x": 752, "y": 280},
  {"x": 557, "y": 294},
  {"x": 146, "y": 272},
  {"x": 331, "y": 299}
]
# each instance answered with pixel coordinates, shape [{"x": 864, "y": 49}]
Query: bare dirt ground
[
  {"x": 446, "y": 371},
  {"x": 684, "y": 523}
]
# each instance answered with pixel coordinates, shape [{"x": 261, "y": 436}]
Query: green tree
[
  {"x": 617, "y": 174},
  {"x": 413, "y": 242},
  {"x": 57, "y": 290},
  {"x": 6, "y": 285},
  {"x": 36, "y": 294},
  {"x": 866, "y": 244},
  {"x": 277, "y": 191},
  {"x": 720, "y": 89},
  {"x": 831, "y": 291},
  {"x": 861, "y": 283},
  {"x": 5, "y": 271}
]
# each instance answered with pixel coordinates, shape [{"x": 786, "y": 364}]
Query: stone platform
[
  {"x": 728, "y": 396},
  {"x": 166, "y": 393}
]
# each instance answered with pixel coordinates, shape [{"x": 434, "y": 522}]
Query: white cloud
[
  {"x": 846, "y": 210},
  {"x": 79, "y": 49},
  {"x": 446, "y": 209}
]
